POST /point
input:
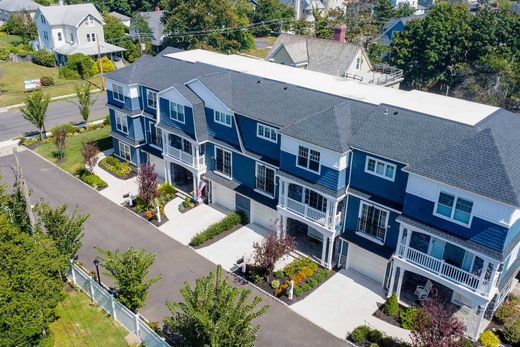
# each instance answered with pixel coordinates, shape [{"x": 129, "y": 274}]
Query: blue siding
[
  {"x": 133, "y": 151},
  {"x": 513, "y": 232},
  {"x": 255, "y": 144},
  {"x": 328, "y": 177},
  {"x": 187, "y": 127},
  {"x": 392, "y": 191},
  {"x": 352, "y": 215},
  {"x": 481, "y": 231},
  {"x": 131, "y": 104},
  {"x": 142, "y": 92},
  {"x": 222, "y": 132},
  {"x": 135, "y": 127}
]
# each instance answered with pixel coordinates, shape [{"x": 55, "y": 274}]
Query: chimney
[
  {"x": 157, "y": 9},
  {"x": 340, "y": 32},
  {"x": 297, "y": 4}
]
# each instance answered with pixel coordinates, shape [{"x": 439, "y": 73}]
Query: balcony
[
  {"x": 306, "y": 211},
  {"x": 180, "y": 155}
]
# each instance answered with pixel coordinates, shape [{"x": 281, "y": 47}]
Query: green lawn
[
  {"x": 262, "y": 52},
  {"x": 73, "y": 158},
  {"x": 83, "y": 323},
  {"x": 9, "y": 41}
]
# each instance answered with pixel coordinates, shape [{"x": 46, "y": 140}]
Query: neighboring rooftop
[
  {"x": 154, "y": 22},
  {"x": 18, "y": 5},
  {"x": 395, "y": 24},
  {"x": 89, "y": 49},
  {"x": 119, "y": 16},
  {"x": 71, "y": 15}
]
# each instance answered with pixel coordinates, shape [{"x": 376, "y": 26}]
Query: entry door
[{"x": 243, "y": 205}]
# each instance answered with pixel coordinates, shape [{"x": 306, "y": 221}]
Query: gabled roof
[
  {"x": 71, "y": 15},
  {"x": 385, "y": 37},
  {"x": 18, "y": 5},
  {"x": 327, "y": 56},
  {"x": 156, "y": 26},
  {"x": 119, "y": 16}
]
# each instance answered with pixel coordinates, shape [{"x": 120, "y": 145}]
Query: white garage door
[
  {"x": 223, "y": 196},
  {"x": 263, "y": 215},
  {"x": 158, "y": 165},
  {"x": 367, "y": 263}
]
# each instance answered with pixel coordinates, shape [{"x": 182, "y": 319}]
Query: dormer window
[
  {"x": 117, "y": 91},
  {"x": 60, "y": 37},
  {"x": 151, "y": 99},
  {"x": 455, "y": 208},
  {"x": 308, "y": 159},
  {"x": 223, "y": 118},
  {"x": 89, "y": 21},
  {"x": 380, "y": 168},
  {"x": 266, "y": 132},
  {"x": 177, "y": 112}
]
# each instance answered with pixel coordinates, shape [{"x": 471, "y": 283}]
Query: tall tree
[
  {"x": 129, "y": 271},
  {"x": 383, "y": 11},
  {"x": 114, "y": 30},
  {"x": 403, "y": 9},
  {"x": 22, "y": 24},
  {"x": 273, "y": 11},
  {"x": 270, "y": 250},
  {"x": 148, "y": 188},
  {"x": 89, "y": 151},
  {"x": 85, "y": 99},
  {"x": 210, "y": 24},
  {"x": 324, "y": 23},
  {"x": 214, "y": 313},
  {"x": 14, "y": 206},
  {"x": 35, "y": 110}
]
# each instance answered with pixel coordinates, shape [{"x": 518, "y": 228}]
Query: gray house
[
  {"x": 10, "y": 7},
  {"x": 156, "y": 26}
]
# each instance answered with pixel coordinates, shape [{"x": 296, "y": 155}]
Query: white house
[
  {"x": 10, "y": 7},
  {"x": 125, "y": 20},
  {"x": 70, "y": 29}
]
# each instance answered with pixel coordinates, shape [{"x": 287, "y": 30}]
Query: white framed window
[
  {"x": 454, "y": 208},
  {"x": 156, "y": 136},
  {"x": 372, "y": 222},
  {"x": 359, "y": 63},
  {"x": 60, "y": 37},
  {"x": 265, "y": 177},
  {"x": 177, "y": 112},
  {"x": 121, "y": 122},
  {"x": 71, "y": 37},
  {"x": 266, "y": 132},
  {"x": 308, "y": 159},
  {"x": 93, "y": 37},
  {"x": 89, "y": 21},
  {"x": 124, "y": 151},
  {"x": 117, "y": 91},
  {"x": 45, "y": 35},
  {"x": 88, "y": 38},
  {"x": 380, "y": 168},
  {"x": 151, "y": 99},
  {"x": 223, "y": 162},
  {"x": 223, "y": 118}
]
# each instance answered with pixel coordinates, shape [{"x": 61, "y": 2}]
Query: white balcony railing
[
  {"x": 440, "y": 267},
  {"x": 185, "y": 157},
  {"x": 306, "y": 211}
]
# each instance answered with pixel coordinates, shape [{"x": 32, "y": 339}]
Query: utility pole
[
  {"x": 100, "y": 66},
  {"x": 21, "y": 180}
]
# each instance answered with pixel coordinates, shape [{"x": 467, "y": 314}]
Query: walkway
[{"x": 116, "y": 187}]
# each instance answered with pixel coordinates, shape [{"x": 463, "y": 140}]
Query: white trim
[
  {"x": 374, "y": 203},
  {"x": 230, "y": 177},
  {"x": 453, "y": 209},
  {"x": 309, "y": 149},
  {"x": 148, "y": 92},
  {"x": 170, "y": 103},
  {"x": 368, "y": 236},
  {"x": 121, "y": 143},
  {"x": 226, "y": 115},
  {"x": 265, "y": 128},
  {"x": 386, "y": 165},
  {"x": 260, "y": 191},
  {"x": 114, "y": 86},
  {"x": 124, "y": 119},
  {"x": 150, "y": 125},
  {"x": 333, "y": 198}
]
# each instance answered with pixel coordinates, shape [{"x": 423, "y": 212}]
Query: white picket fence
[{"x": 131, "y": 321}]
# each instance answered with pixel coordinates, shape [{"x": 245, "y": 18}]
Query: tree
[
  {"x": 436, "y": 325},
  {"x": 129, "y": 271},
  {"x": 383, "y": 11},
  {"x": 65, "y": 229},
  {"x": 214, "y": 314},
  {"x": 403, "y": 9},
  {"x": 211, "y": 24},
  {"x": 35, "y": 110},
  {"x": 22, "y": 24},
  {"x": 148, "y": 188},
  {"x": 89, "y": 151},
  {"x": 30, "y": 284},
  {"x": 324, "y": 23},
  {"x": 85, "y": 100},
  {"x": 140, "y": 30},
  {"x": 272, "y": 11},
  {"x": 113, "y": 29},
  {"x": 270, "y": 250},
  {"x": 59, "y": 135},
  {"x": 14, "y": 206}
]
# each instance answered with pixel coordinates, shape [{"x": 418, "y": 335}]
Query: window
[
  {"x": 89, "y": 21},
  {"x": 265, "y": 178},
  {"x": 93, "y": 37},
  {"x": 266, "y": 132},
  {"x": 315, "y": 200},
  {"x": 124, "y": 151},
  {"x": 186, "y": 146},
  {"x": 151, "y": 99},
  {"x": 380, "y": 168},
  {"x": 71, "y": 37},
  {"x": 45, "y": 35},
  {"x": 88, "y": 38},
  {"x": 121, "y": 122},
  {"x": 309, "y": 159},
  {"x": 372, "y": 221},
  {"x": 359, "y": 63},
  {"x": 223, "y": 118},
  {"x": 155, "y": 135},
  {"x": 118, "y": 92},
  {"x": 223, "y": 161},
  {"x": 42, "y": 19},
  {"x": 177, "y": 112},
  {"x": 59, "y": 36},
  {"x": 455, "y": 208}
]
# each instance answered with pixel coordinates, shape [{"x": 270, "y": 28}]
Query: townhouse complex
[{"x": 404, "y": 187}]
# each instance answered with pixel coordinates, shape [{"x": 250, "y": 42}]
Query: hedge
[
  {"x": 117, "y": 168},
  {"x": 213, "y": 230},
  {"x": 91, "y": 179},
  {"x": 44, "y": 58}
]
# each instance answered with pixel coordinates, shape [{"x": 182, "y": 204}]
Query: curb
[{"x": 54, "y": 98}]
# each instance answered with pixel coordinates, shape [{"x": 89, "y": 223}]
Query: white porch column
[
  {"x": 196, "y": 179},
  {"x": 392, "y": 280},
  {"x": 284, "y": 226},
  {"x": 482, "y": 276},
  {"x": 329, "y": 255},
  {"x": 281, "y": 191},
  {"x": 333, "y": 217},
  {"x": 167, "y": 176},
  {"x": 399, "y": 284},
  {"x": 478, "y": 326},
  {"x": 323, "y": 250},
  {"x": 196, "y": 156},
  {"x": 327, "y": 214}
]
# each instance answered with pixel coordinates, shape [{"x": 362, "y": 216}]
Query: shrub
[
  {"x": 149, "y": 214},
  {"x": 47, "y": 81},
  {"x": 4, "y": 54},
  {"x": 408, "y": 317},
  {"x": 374, "y": 345},
  {"x": 67, "y": 73},
  {"x": 258, "y": 279},
  {"x": 298, "y": 264},
  {"x": 167, "y": 189},
  {"x": 305, "y": 286},
  {"x": 281, "y": 289},
  {"x": 213, "y": 230},
  {"x": 298, "y": 291},
  {"x": 489, "y": 339},
  {"x": 374, "y": 335},
  {"x": 512, "y": 333},
  {"x": 278, "y": 274},
  {"x": 504, "y": 315},
  {"x": 187, "y": 202},
  {"x": 275, "y": 284},
  {"x": 360, "y": 333},
  {"x": 391, "y": 306},
  {"x": 321, "y": 275},
  {"x": 313, "y": 282},
  {"x": 107, "y": 64},
  {"x": 388, "y": 341},
  {"x": 91, "y": 179},
  {"x": 140, "y": 205},
  {"x": 82, "y": 64},
  {"x": 44, "y": 58},
  {"x": 467, "y": 343},
  {"x": 116, "y": 167}
]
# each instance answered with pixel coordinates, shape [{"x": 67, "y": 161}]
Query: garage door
[
  {"x": 263, "y": 215},
  {"x": 223, "y": 196},
  {"x": 367, "y": 263}
]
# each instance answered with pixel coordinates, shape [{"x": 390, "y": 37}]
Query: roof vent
[
  {"x": 386, "y": 111},
  {"x": 396, "y": 113},
  {"x": 285, "y": 88},
  {"x": 259, "y": 82}
]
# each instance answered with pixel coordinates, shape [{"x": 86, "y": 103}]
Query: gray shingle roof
[
  {"x": 154, "y": 22},
  {"x": 71, "y": 15},
  {"x": 119, "y": 16},
  {"x": 18, "y": 5}
]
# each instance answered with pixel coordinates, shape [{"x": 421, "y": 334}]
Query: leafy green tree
[
  {"x": 59, "y": 136},
  {"x": 361, "y": 27},
  {"x": 35, "y": 110},
  {"x": 132, "y": 49},
  {"x": 324, "y": 23},
  {"x": 272, "y": 11},
  {"x": 140, "y": 29},
  {"x": 21, "y": 24},
  {"x": 214, "y": 313},
  {"x": 114, "y": 30},
  {"x": 383, "y": 11},
  {"x": 212, "y": 24},
  {"x": 82, "y": 64},
  {"x": 30, "y": 284},
  {"x": 65, "y": 229},
  {"x": 403, "y": 9},
  {"x": 301, "y": 27},
  {"x": 129, "y": 270},
  {"x": 85, "y": 99},
  {"x": 14, "y": 206}
]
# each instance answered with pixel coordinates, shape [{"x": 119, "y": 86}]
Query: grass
[
  {"x": 73, "y": 159},
  {"x": 13, "y": 74},
  {"x": 83, "y": 323},
  {"x": 262, "y": 52},
  {"x": 8, "y": 41}
]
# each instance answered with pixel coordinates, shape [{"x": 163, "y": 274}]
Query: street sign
[{"x": 32, "y": 84}]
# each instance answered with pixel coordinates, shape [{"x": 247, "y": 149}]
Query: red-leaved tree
[
  {"x": 89, "y": 151},
  {"x": 147, "y": 183},
  {"x": 436, "y": 325},
  {"x": 270, "y": 250}
]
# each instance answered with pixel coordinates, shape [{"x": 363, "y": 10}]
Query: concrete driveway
[{"x": 344, "y": 302}]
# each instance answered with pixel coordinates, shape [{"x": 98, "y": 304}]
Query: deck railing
[
  {"x": 185, "y": 157},
  {"x": 306, "y": 211}
]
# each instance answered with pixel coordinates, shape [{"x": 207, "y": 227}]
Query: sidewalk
[{"x": 116, "y": 187}]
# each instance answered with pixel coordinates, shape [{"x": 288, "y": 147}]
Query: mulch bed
[
  {"x": 132, "y": 173},
  {"x": 219, "y": 236},
  {"x": 154, "y": 221},
  {"x": 384, "y": 317}
]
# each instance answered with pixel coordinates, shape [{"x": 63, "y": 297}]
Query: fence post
[
  {"x": 137, "y": 324},
  {"x": 91, "y": 289},
  {"x": 113, "y": 304}
]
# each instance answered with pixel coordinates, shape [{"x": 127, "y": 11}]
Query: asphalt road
[
  {"x": 110, "y": 227},
  {"x": 12, "y": 123}
]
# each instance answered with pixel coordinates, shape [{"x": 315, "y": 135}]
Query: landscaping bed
[
  {"x": 120, "y": 169},
  {"x": 397, "y": 315},
  {"x": 91, "y": 179},
  {"x": 166, "y": 193},
  {"x": 365, "y": 336},
  {"x": 306, "y": 274},
  {"x": 227, "y": 225},
  {"x": 186, "y": 205},
  {"x": 506, "y": 321}
]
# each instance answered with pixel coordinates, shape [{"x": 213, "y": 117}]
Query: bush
[
  {"x": 91, "y": 179},
  {"x": 389, "y": 342},
  {"x": 140, "y": 205},
  {"x": 67, "y": 127},
  {"x": 408, "y": 317},
  {"x": 107, "y": 120},
  {"x": 504, "y": 315},
  {"x": 67, "y": 73},
  {"x": 275, "y": 284},
  {"x": 107, "y": 64},
  {"x": 4, "y": 54},
  {"x": 313, "y": 282},
  {"x": 467, "y": 343},
  {"x": 298, "y": 291},
  {"x": 281, "y": 289},
  {"x": 116, "y": 167},
  {"x": 305, "y": 286},
  {"x": 167, "y": 189},
  {"x": 149, "y": 214},
  {"x": 278, "y": 274},
  {"x": 489, "y": 339},
  {"x": 258, "y": 279},
  {"x": 213, "y": 230},
  {"x": 360, "y": 333},
  {"x": 321, "y": 275},
  {"x": 391, "y": 306},
  {"x": 44, "y": 58},
  {"x": 82, "y": 64},
  {"x": 374, "y": 345},
  {"x": 374, "y": 336},
  {"x": 512, "y": 333},
  {"x": 298, "y": 264},
  {"x": 47, "y": 81}
]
